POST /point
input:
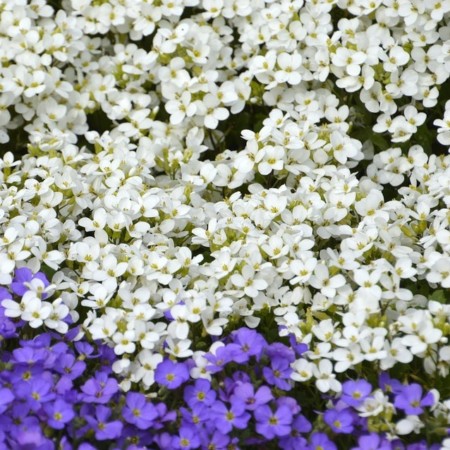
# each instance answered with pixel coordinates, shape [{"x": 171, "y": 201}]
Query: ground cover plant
[{"x": 224, "y": 224}]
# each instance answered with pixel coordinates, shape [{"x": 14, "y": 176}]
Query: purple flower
[
  {"x": 63, "y": 387},
  {"x": 320, "y": 441},
  {"x": 355, "y": 392},
  {"x": 290, "y": 402},
  {"x": 278, "y": 350},
  {"x": 99, "y": 423},
  {"x": 164, "y": 414},
  {"x": 7, "y": 326},
  {"x": 99, "y": 389},
  {"x": 70, "y": 366},
  {"x": 138, "y": 411},
  {"x": 141, "y": 439},
  {"x": 6, "y": 397},
  {"x": 36, "y": 392},
  {"x": 171, "y": 374},
  {"x": 59, "y": 413},
  {"x": 372, "y": 441},
  {"x": 217, "y": 441},
  {"x": 245, "y": 392},
  {"x": 187, "y": 438},
  {"x": 164, "y": 441},
  {"x": 249, "y": 342},
  {"x": 199, "y": 394},
  {"x": 388, "y": 384},
  {"x": 222, "y": 356},
  {"x": 40, "y": 341},
  {"x": 423, "y": 446},
  {"x": 196, "y": 417},
  {"x": 293, "y": 441},
  {"x": 270, "y": 424},
  {"x": 298, "y": 348},
  {"x": 301, "y": 424},
  {"x": 5, "y": 294},
  {"x": 32, "y": 439},
  {"x": 226, "y": 418},
  {"x": 84, "y": 349},
  {"x": 339, "y": 421},
  {"x": 279, "y": 373},
  {"x": 23, "y": 276},
  {"x": 410, "y": 399},
  {"x": 29, "y": 356}
]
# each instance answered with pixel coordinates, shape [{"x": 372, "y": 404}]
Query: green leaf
[{"x": 441, "y": 296}]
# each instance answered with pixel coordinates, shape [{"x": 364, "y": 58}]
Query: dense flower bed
[{"x": 225, "y": 224}]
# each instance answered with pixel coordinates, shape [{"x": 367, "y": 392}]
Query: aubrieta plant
[
  {"x": 254, "y": 193},
  {"x": 60, "y": 392}
]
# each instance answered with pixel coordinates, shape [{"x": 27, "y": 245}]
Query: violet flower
[
  {"x": 200, "y": 393},
  {"x": 355, "y": 392},
  {"x": 270, "y": 424},
  {"x": 410, "y": 399},
  {"x": 245, "y": 392},
  {"x": 171, "y": 374},
  {"x": 339, "y": 421},
  {"x": 99, "y": 389},
  {"x": 103, "y": 429},
  {"x": 23, "y": 276},
  {"x": 225, "y": 418},
  {"x": 59, "y": 413},
  {"x": 138, "y": 411},
  {"x": 187, "y": 438}
]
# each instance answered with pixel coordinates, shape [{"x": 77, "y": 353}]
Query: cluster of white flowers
[{"x": 158, "y": 234}]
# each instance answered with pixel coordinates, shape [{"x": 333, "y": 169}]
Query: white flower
[
  {"x": 349, "y": 59},
  {"x": 273, "y": 159},
  {"x": 321, "y": 280},
  {"x": 373, "y": 348},
  {"x": 12, "y": 308},
  {"x": 397, "y": 57},
  {"x": 347, "y": 357},
  {"x": 440, "y": 272},
  {"x": 408, "y": 425},
  {"x": 288, "y": 68},
  {"x": 213, "y": 112},
  {"x": 179, "y": 348},
  {"x": 179, "y": 327},
  {"x": 325, "y": 378},
  {"x": 181, "y": 108},
  {"x": 302, "y": 269},
  {"x": 147, "y": 363},
  {"x": 35, "y": 311},
  {"x": 444, "y": 126},
  {"x": 396, "y": 351},
  {"x": 103, "y": 327},
  {"x": 213, "y": 326},
  {"x": 98, "y": 221},
  {"x": 110, "y": 269},
  {"x": 275, "y": 247},
  {"x": 418, "y": 343},
  {"x": 249, "y": 281},
  {"x": 302, "y": 370},
  {"x": 124, "y": 342},
  {"x": 55, "y": 319},
  {"x": 374, "y": 405}
]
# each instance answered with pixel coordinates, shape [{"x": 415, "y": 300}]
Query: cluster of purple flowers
[
  {"x": 58, "y": 391},
  {"x": 344, "y": 418},
  {"x": 245, "y": 407},
  {"x": 249, "y": 401}
]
